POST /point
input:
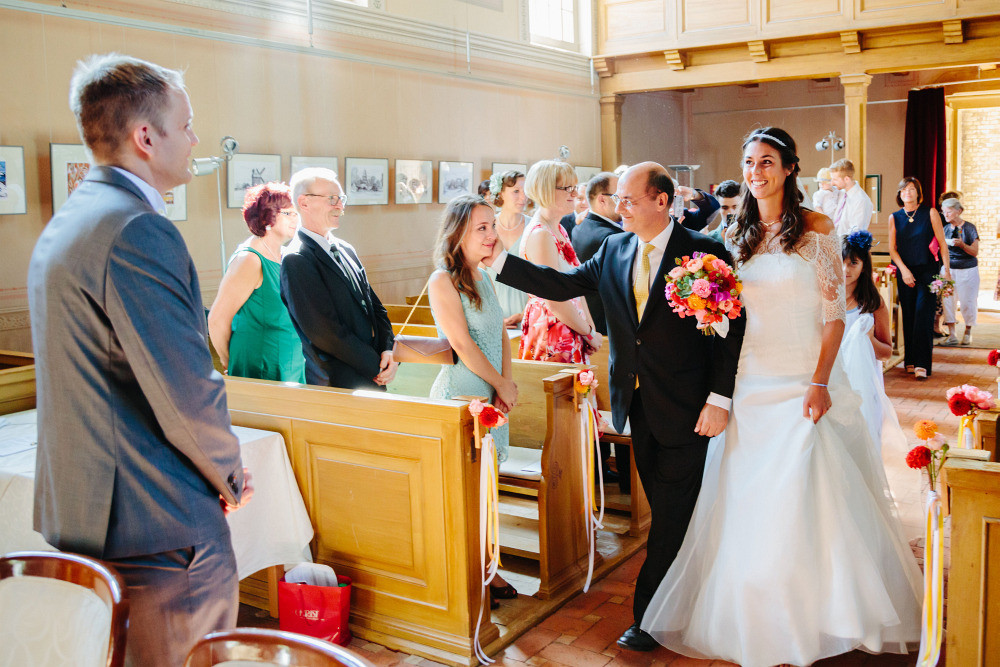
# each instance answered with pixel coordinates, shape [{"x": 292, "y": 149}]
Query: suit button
[
  {"x": 638, "y": 341},
  {"x": 631, "y": 375}
]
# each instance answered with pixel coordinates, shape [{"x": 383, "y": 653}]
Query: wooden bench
[
  {"x": 973, "y": 621},
  {"x": 544, "y": 521},
  {"x": 17, "y": 381},
  {"x": 399, "y": 313},
  {"x": 424, "y": 300}
]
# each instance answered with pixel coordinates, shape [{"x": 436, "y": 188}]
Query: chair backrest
[
  {"x": 57, "y": 607},
  {"x": 246, "y": 646}
]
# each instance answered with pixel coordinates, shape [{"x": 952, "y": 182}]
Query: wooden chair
[
  {"x": 271, "y": 647},
  {"x": 15, "y": 570}
]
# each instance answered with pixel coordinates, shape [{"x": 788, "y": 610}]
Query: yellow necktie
[{"x": 641, "y": 286}]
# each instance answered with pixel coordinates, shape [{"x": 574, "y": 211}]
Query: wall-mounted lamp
[
  {"x": 206, "y": 165},
  {"x": 830, "y": 142}
]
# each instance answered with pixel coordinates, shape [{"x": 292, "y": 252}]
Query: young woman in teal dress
[
  {"x": 466, "y": 310},
  {"x": 248, "y": 323}
]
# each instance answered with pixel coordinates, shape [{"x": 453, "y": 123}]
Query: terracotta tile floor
[{"x": 583, "y": 632}]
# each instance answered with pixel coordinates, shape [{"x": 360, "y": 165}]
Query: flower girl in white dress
[{"x": 794, "y": 552}]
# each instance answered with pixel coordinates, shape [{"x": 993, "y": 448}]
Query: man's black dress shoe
[{"x": 637, "y": 639}]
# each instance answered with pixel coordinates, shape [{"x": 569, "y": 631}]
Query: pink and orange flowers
[
  {"x": 705, "y": 287},
  {"x": 968, "y": 400},
  {"x": 487, "y": 415},
  {"x": 931, "y": 454}
]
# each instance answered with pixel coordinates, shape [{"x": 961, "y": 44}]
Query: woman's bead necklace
[
  {"x": 520, "y": 221},
  {"x": 270, "y": 252}
]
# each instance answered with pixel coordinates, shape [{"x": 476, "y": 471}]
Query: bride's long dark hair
[{"x": 749, "y": 232}]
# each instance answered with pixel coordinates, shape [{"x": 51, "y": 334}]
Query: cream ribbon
[
  {"x": 489, "y": 529},
  {"x": 591, "y": 451},
  {"x": 932, "y": 619},
  {"x": 966, "y": 425}
]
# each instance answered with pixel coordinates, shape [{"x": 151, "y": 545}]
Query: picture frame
[
  {"x": 176, "y": 201},
  {"x": 873, "y": 186},
  {"x": 300, "y": 162},
  {"x": 366, "y": 181},
  {"x": 246, "y": 170},
  {"x": 584, "y": 174},
  {"x": 414, "y": 181},
  {"x": 12, "y": 197},
  {"x": 501, "y": 167},
  {"x": 69, "y": 164},
  {"x": 455, "y": 179}
]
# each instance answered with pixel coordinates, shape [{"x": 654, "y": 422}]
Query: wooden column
[
  {"x": 856, "y": 103},
  {"x": 611, "y": 131}
]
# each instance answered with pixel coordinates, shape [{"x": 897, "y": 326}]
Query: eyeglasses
[
  {"x": 289, "y": 214},
  {"x": 566, "y": 188},
  {"x": 628, "y": 202},
  {"x": 333, "y": 199}
]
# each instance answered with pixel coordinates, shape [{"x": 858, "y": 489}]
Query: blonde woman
[{"x": 559, "y": 331}]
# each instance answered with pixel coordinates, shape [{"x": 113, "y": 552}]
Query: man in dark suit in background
[
  {"x": 345, "y": 330},
  {"x": 134, "y": 440},
  {"x": 600, "y": 222},
  {"x": 671, "y": 381}
]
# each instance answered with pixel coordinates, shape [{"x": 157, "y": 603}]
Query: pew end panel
[
  {"x": 973, "y": 623},
  {"x": 17, "y": 381},
  {"x": 391, "y": 484}
]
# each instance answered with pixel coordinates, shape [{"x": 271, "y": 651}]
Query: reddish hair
[{"x": 262, "y": 203}]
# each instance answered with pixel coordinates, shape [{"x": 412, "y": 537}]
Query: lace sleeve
[{"x": 824, "y": 254}]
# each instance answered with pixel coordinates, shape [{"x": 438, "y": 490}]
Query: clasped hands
[{"x": 387, "y": 368}]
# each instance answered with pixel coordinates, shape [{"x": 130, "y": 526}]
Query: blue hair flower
[{"x": 860, "y": 240}]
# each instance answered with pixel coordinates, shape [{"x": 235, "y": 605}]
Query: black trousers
[
  {"x": 918, "y": 305},
  {"x": 671, "y": 476}
]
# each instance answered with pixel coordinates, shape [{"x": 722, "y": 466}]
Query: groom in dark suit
[
  {"x": 670, "y": 380},
  {"x": 345, "y": 330}
]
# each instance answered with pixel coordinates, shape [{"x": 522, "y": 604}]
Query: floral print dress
[{"x": 543, "y": 336}]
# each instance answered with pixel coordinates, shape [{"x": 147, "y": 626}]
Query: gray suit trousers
[{"x": 176, "y": 597}]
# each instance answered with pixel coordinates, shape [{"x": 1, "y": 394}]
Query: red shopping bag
[{"x": 317, "y": 611}]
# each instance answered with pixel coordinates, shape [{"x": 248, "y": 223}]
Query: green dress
[
  {"x": 486, "y": 329},
  {"x": 264, "y": 343}
]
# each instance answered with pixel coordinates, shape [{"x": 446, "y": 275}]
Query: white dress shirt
[
  {"x": 154, "y": 198},
  {"x": 328, "y": 243},
  {"x": 854, "y": 212}
]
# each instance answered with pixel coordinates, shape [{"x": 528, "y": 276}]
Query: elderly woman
[
  {"x": 963, "y": 248},
  {"x": 248, "y": 323},
  {"x": 912, "y": 231},
  {"x": 559, "y": 331}
]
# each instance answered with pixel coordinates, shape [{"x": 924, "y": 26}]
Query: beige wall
[
  {"x": 979, "y": 145},
  {"x": 290, "y": 102},
  {"x": 654, "y": 127}
]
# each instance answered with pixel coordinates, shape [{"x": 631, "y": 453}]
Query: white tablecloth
[{"x": 272, "y": 529}]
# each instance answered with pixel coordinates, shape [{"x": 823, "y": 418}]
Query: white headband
[{"x": 761, "y": 135}]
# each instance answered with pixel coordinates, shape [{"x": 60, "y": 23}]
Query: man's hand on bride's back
[{"x": 711, "y": 421}]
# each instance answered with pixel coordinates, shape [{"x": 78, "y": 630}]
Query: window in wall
[{"x": 553, "y": 23}]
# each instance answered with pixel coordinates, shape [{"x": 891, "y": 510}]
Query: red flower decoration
[
  {"x": 959, "y": 405},
  {"x": 919, "y": 457},
  {"x": 489, "y": 417},
  {"x": 993, "y": 357}
]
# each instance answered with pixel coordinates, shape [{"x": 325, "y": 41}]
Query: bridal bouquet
[
  {"x": 705, "y": 287},
  {"x": 943, "y": 287}
]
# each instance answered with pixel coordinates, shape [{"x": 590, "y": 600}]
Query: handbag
[{"x": 421, "y": 349}]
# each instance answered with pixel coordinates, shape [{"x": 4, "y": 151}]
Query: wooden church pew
[
  {"x": 17, "y": 381},
  {"x": 399, "y": 313},
  {"x": 544, "y": 434}
]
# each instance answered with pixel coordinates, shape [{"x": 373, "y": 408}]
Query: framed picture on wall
[
  {"x": 301, "y": 162},
  {"x": 501, "y": 167},
  {"x": 12, "y": 200},
  {"x": 176, "y": 200},
  {"x": 246, "y": 170},
  {"x": 366, "y": 181},
  {"x": 455, "y": 179},
  {"x": 414, "y": 182},
  {"x": 584, "y": 174},
  {"x": 873, "y": 186},
  {"x": 69, "y": 164}
]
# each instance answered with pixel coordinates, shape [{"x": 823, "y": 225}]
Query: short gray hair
[
  {"x": 304, "y": 179},
  {"x": 109, "y": 93},
  {"x": 952, "y": 203}
]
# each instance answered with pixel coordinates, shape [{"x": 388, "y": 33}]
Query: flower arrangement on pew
[
  {"x": 930, "y": 456},
  {"x": 705, "y": 287},
  {"x": 590, "y": 425},
  {"x": 993, "y": 359},
  {"x": 487, "y": 417},
  {"x": 966, "y": 401}
]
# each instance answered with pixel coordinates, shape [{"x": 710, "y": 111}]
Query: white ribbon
[
  {"x": 591, "y": 443},
  {"x": 488, "y": 491},
  {"x": 932, "y": 619}
]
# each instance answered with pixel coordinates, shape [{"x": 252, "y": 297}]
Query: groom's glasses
[{"x": 628, "y": 202}]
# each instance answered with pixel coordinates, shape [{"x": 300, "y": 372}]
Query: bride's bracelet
[{"x": 818, "y": 384}]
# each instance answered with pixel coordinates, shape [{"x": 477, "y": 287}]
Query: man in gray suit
[{"x": 137, "y": 464}]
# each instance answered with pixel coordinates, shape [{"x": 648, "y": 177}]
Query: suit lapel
[
  {"x": 327, "y": 259},
  {"x": 625, "y": 259}
]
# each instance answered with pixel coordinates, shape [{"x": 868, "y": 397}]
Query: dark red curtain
[{"x": 924, "y": 149}]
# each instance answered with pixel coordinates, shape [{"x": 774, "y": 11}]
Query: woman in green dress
[
  {"x": 248, "y": 323},
  {"x": 466, "y": 310}
]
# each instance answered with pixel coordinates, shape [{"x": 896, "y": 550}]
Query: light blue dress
[{"x": 486, "y": 329}]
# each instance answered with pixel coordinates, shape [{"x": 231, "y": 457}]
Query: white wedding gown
[{"x": 794, "y": 552}]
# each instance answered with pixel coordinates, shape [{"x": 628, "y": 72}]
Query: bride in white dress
[{"x": 794, "y": 552}]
